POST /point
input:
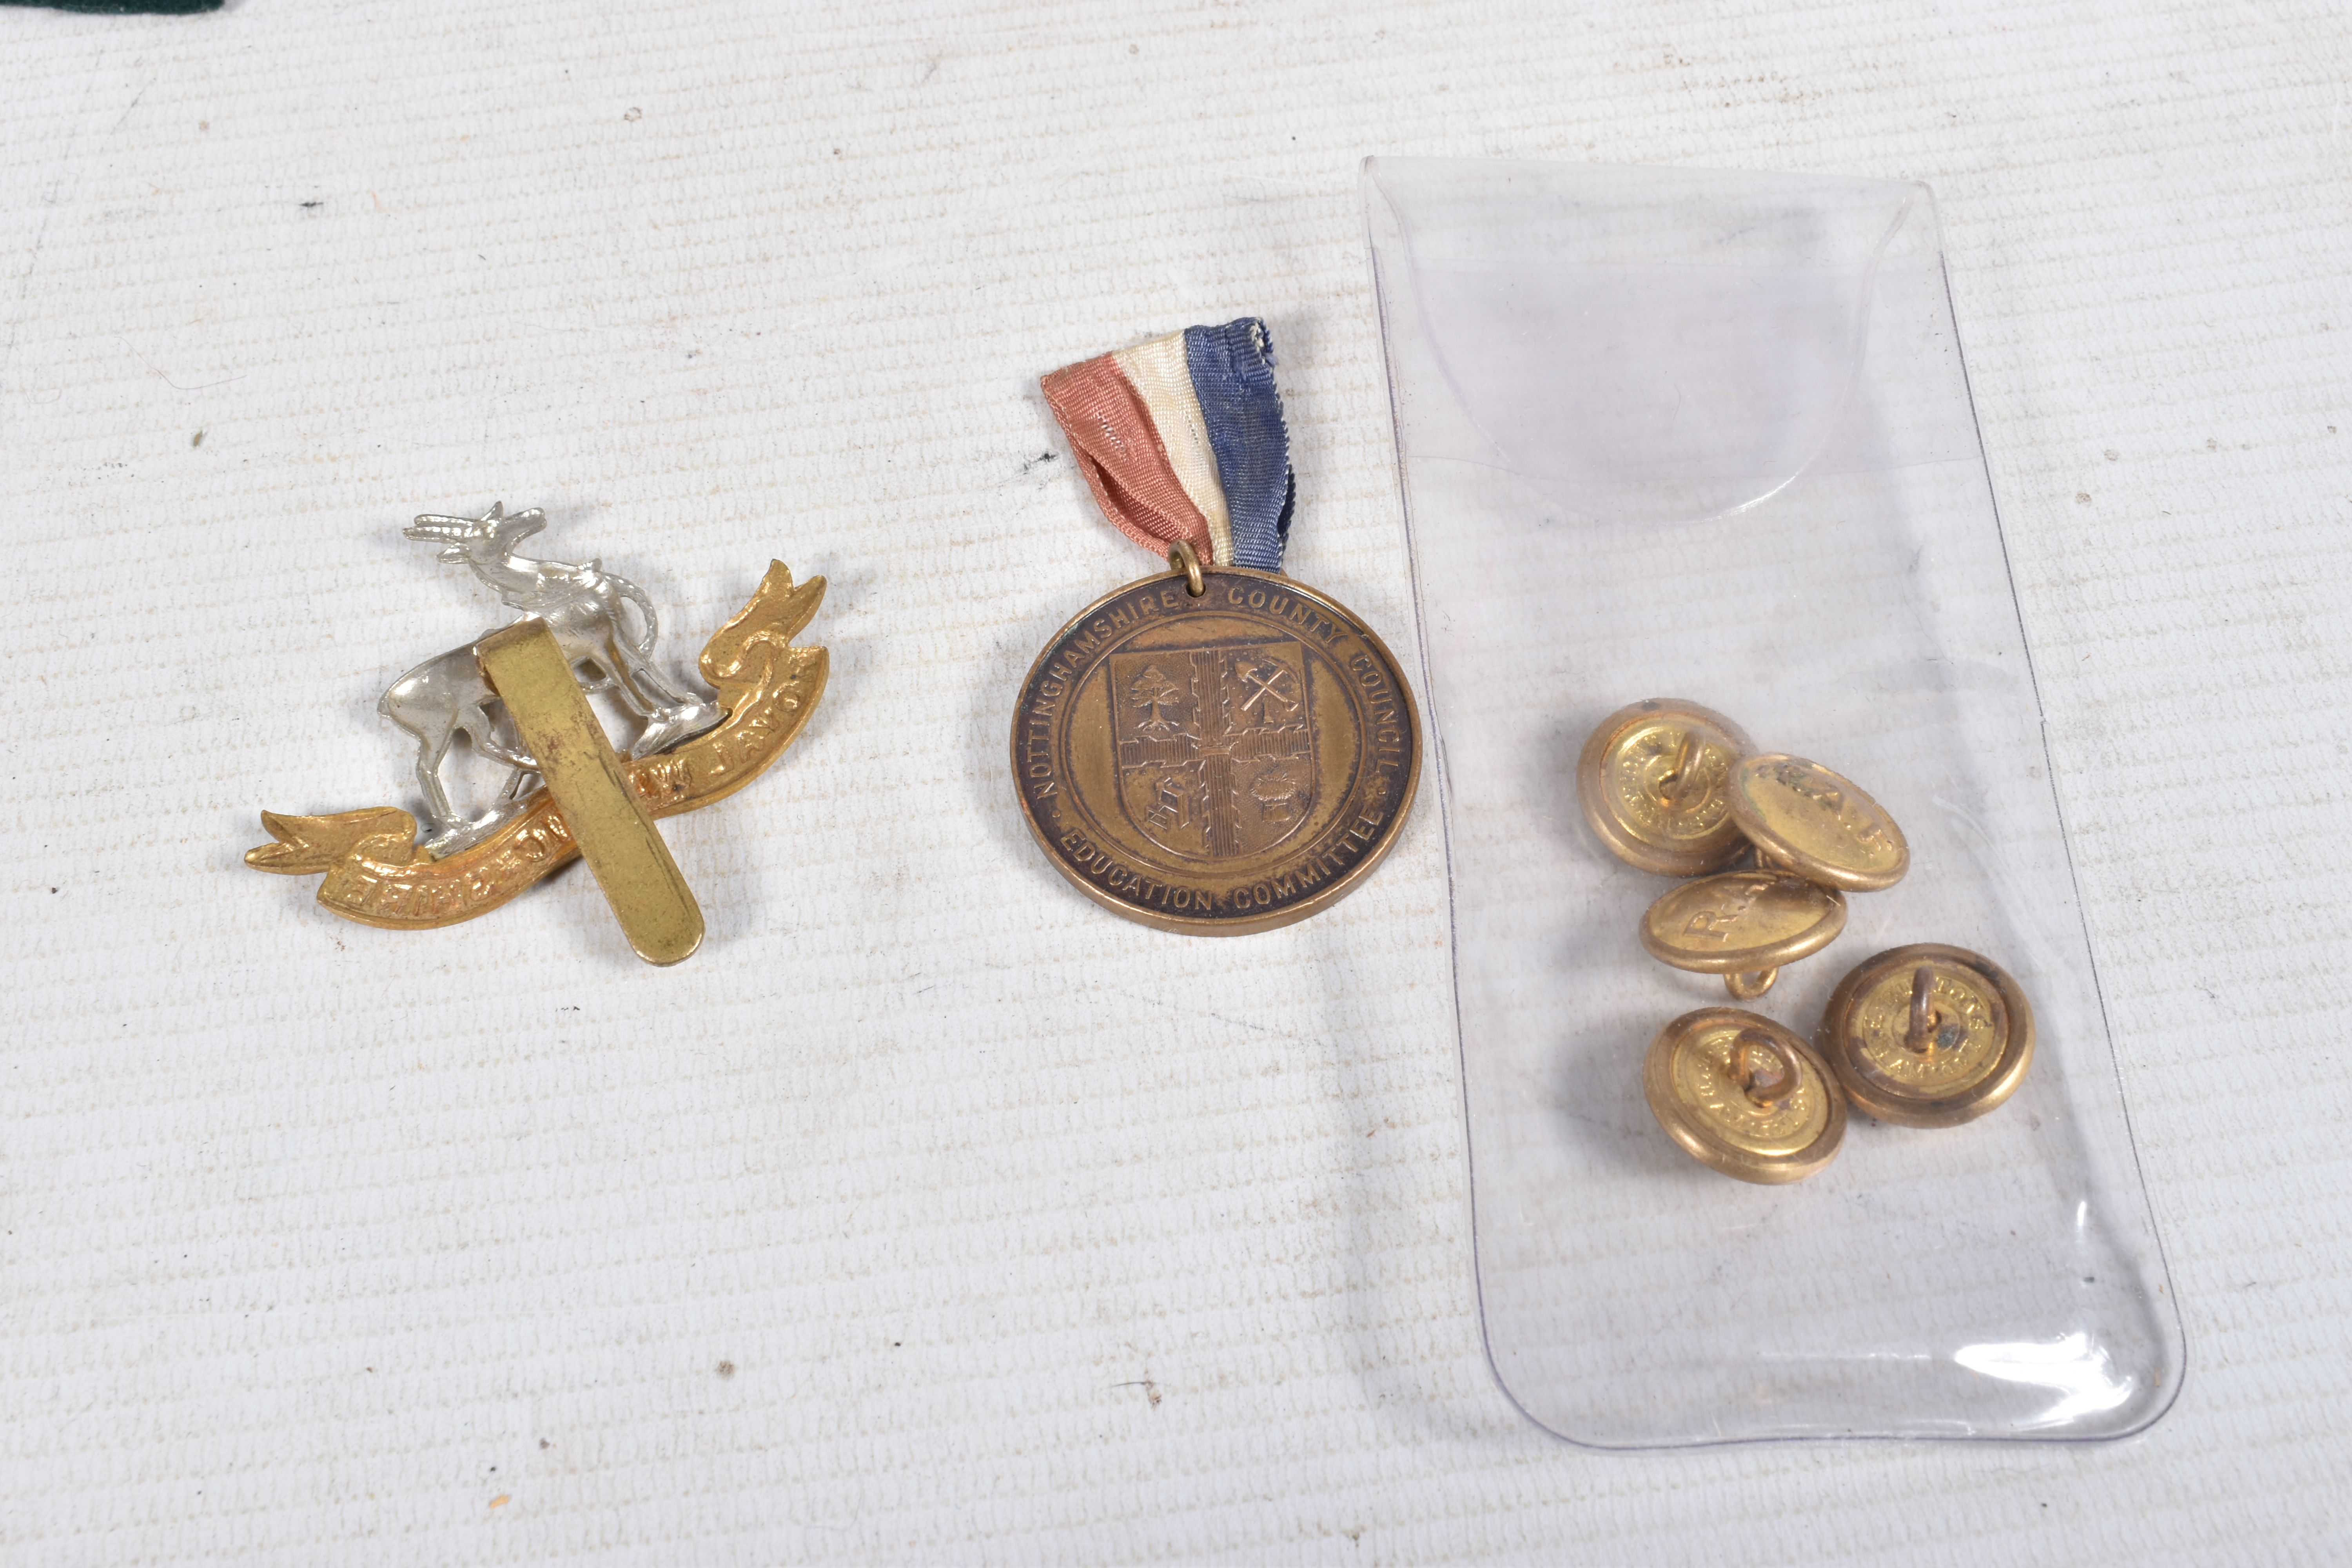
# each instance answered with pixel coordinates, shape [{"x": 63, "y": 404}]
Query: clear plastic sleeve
[{"x": 1708, "y": 435}]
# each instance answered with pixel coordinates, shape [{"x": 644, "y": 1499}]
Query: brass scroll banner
[{"x": 377, "y": 875}]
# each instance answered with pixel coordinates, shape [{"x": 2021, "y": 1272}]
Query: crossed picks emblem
[
  {"x": 518, "y": 696},
  {"x": 1216, "y": 755}
]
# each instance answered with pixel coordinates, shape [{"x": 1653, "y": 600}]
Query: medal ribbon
[{"x": 1181, "y": 438}]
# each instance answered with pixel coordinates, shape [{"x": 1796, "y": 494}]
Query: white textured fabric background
[{"x": 930, "y": 1214}]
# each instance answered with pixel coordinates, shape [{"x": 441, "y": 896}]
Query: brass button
[
  {"x": 1739, "y": 922},
  {"x": 1928, "y": 1036},
  {"x": 1743, "y": 1095},
  {"x": 1817, "y": 824},
  {"x": 1652, "y": 781}
]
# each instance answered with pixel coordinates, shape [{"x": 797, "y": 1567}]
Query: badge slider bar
[{"x": 528, "y": 670}]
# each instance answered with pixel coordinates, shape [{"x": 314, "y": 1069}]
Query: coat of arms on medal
[
  {"x": 1216, "y": 750},
  {"x": 519, "y": 698}
]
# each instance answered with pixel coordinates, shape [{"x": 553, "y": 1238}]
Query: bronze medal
[
  {"x": 1928, "y": 1036},
  {"x": 1218, "y": 751},
  {"x": 1217, "y": 762}
]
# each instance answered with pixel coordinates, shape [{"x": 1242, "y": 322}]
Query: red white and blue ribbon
[{"x": 1182, "y": 438}]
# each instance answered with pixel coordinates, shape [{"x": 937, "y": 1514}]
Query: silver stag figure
[{"x": 447, "y": 696}]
